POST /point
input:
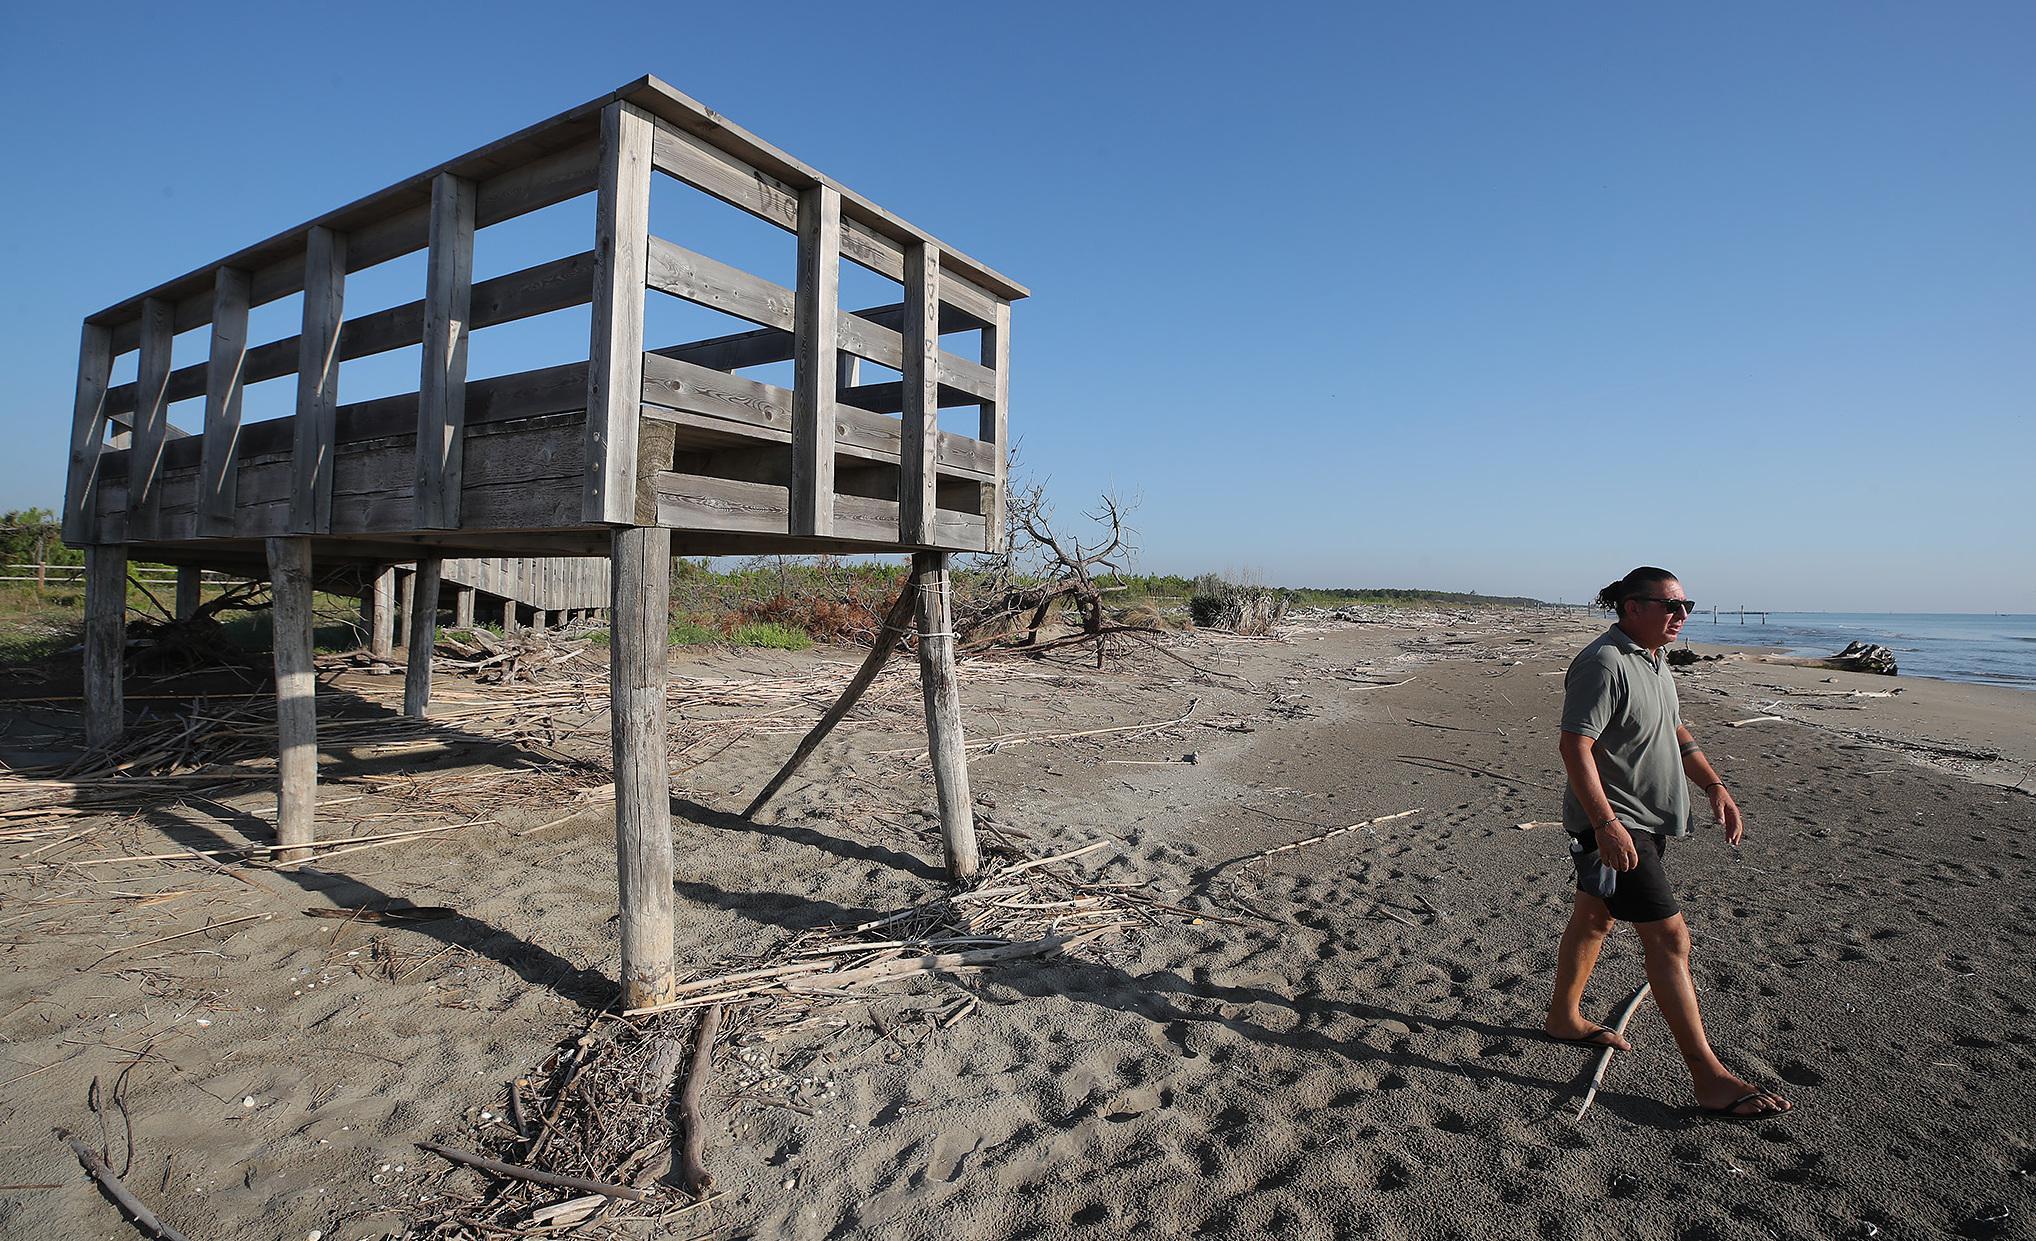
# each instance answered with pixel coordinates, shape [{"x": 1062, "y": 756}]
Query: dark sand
[{"x": 1363, "y": 1060}]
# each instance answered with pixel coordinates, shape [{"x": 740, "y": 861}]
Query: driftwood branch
[
  {"x": 1605, "y": 1059},
  {"x": 516, "y": 1172},
  {"x": 693, "y": 1171},
  {"x": 144, "y": 1218}
]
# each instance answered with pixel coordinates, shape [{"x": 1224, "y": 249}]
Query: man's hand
[
  {"x": 1725, "y": 813},
  {"x": 1615, "y": 846}
]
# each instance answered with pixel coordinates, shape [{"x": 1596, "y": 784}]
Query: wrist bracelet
[{"x": 1715, "y": 784}]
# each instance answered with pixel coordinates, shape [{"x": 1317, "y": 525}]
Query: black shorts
[{"x": 1638, "y": 895}]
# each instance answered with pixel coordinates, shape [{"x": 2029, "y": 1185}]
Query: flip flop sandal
[{"x": 1731, "y": 1112}]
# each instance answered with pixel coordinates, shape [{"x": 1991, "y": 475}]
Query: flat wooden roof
[{"x": 567, "y": 129}]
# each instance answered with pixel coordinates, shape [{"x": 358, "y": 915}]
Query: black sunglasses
[{"x": 1683, "y": 606}]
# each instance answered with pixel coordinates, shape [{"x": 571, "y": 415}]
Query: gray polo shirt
[{"x": 1622, "y": 696}]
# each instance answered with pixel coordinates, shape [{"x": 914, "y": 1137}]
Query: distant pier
[{"x": 1742, "y": 612}]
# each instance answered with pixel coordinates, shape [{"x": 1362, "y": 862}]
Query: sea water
[{"x": 1988, "y": 649}]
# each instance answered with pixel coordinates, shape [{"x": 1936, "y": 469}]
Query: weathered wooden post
[
  {"x": 382, "y": 614},
  {"x": 296, "y": 696},
  {"x": 463, "y": 608},
  {"x": 105, "y": 643},
  {"x": 945, "y": 744},
  {"x": 640, "y": 589},
  {"x": 421, "y": 602},
  {"x": 508, "y": 616},
  {"x": 406, "y": 598},
  {"x": 188, "y": 582}
]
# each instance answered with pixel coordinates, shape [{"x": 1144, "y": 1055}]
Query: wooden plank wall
[{"x": 548, "y": 583}]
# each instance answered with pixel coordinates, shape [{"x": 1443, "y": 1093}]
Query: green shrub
[
  {"x": 770, "y": 634},
  {"x": 692, "y": 633}
]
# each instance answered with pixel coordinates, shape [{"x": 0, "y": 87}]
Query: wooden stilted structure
[{"x": 644, "y": 450}]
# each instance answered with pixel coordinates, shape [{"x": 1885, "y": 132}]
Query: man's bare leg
[
  {"x": 1589, "y": 922},
  {"x": 1668, "y": 968}
]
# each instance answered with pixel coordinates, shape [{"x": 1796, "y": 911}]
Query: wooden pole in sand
[
  {"x": 638, "y": 648},
  {"x": 422, "y": 637},
  {"x": 296, "y": 696},
  {"x": 895, "y": 621},
  {"x": 382, "y": 614},
  {"x": 463, "y": 608},
  {"x": 945, "y": 744},
  {"x": 105, "y": 643},
  {"x": 406, "y": 594}
]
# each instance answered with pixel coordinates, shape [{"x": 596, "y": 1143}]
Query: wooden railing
[{"x": 344, "y": 470}]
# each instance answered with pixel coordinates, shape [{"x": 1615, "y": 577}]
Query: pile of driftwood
[
  {"x": 614, "y": 1130},
  {"x": 1253, "y": 611}
]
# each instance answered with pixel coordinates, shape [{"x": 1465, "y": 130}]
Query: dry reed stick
[{"x": 517, "y": 1172}]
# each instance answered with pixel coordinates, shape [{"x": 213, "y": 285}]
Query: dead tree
[{"x": 1045, "y": 569}]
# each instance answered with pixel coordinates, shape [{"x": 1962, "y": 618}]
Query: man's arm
[
  {"x": 1724, "y": 811},
  {"x": 1615, "y": 843}
]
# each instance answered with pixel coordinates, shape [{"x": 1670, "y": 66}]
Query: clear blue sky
[{"x": 1495, "y": 297}]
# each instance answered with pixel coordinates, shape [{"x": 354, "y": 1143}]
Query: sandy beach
[{"x": 1339, "y": 1039}]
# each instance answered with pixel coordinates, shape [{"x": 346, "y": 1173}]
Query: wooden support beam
[
  {"x": 317, "y": 381},
  {"x": 382, "y": 614},
  {"x": 88, "y": 435},
  {"x": 996, "y": 423},
  {"x": 508, "y": 616},
  {"x": 105, "y": 643},
  {"x": 815, "y": 333},
  {"x": 421, "y": 602},
  {"x": 944, "y": 740},
  {"x": 463, "y": 608},
  {"x": 442, "y": 384},
  {"x": 296, "y": 696},
  {"x": 539, "y": 620},
  {"x": 615, "y": 350},
  {"x": 151, "y": 419},
  {"x": 189, "y": 581},
  {"x": 640, "y": 593},
  {"x": 919, "y": 431},
  {"x": 225, "y": 382},
  {"x": 895, "y": 623},
  {"x": 406, "y": 599}
]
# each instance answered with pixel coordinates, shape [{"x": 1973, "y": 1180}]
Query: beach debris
[
  {"x": 1756, "y": 719},
  {"x": 1605, "y": 1057},
  {"x": 95, "y": 1164},
  {"x": 1862, "y": 657},
  {"x": 1319, "y": 837},
  {"x": 533, "y": 1175},
  {"x": 591, "y": 1107},
  {"x": 1532, "y": 824},
  {"x": 1251, "y": 611},
  {"x": 392, "y": 914},
  {"x": 693, "y": 1171}
]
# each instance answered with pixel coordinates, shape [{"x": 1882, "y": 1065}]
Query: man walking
[{"x": 1630, "y": 762}]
